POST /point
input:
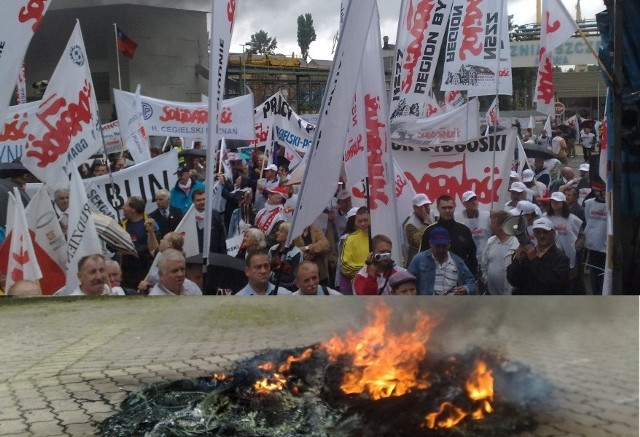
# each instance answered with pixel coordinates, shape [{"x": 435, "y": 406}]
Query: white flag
[
  {"x": 532, "y": 124},
  {"x": 66, "y": 127},
  {"x": 131, "y": 122},
  {"x": 547, "y": 126},
  {"x": 187, "y": 228},
  {"x": 222, "y": 18},
  {"x": 382, "y": 199},
  {"x": 557, "y": 27},
  {"x": 321, "y": 180},
  {"x": 19, "y": 19},
  {"x": 82, "y": 237},
  {"x": 492, "y": 114},
  {"x": 23, "y": 264}
]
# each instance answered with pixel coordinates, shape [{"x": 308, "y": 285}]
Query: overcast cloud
[{"x": 279, "y": 19}]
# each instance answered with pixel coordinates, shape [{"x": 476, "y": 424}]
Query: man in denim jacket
[{"x": 438, "y": 271}]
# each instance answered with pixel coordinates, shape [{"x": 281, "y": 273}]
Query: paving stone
[
  {"x": 64, "y": 405},
  {"x": 12, "y": 426},
  {"x": 7, "y": 413},
  {"x": 41, "y": 415},
  {"x": 48, "y": 429},
  {"x": 72, "y": 417},
  {"x": 96, "y": 407},
  {"x": 84, "y": 429}
]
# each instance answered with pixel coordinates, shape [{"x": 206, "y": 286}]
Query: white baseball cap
[
  {"x": 528, "y": 175},
  {"x": 584, "y": 167},
  {"x": 514, "y": 175},
  {"x": 543, "y": 223},
  {"x": 468, "y": 195},
  {"x": 271, "y": 167},
  {"x": 518, "y": 187},
  {"x": 558, "y": 197},
  {"x": 342, "y": 195},
  {"x": 352, "y": 211},
  {"x": 421, "y": 199},
  {"x": 525, "y": 207}
]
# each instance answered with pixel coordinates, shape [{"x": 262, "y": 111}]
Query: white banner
[
  {"x": 458, "y": 124},
  {"x": 19, "y": 19},
  {"x": 191, "y": 119},
  {"x": 139, "y": 180},
  {"x": 66, "y": 128},
  {"x": 13, "y": 138},
  {"x": 558, "y": 27},
  {"x": 452, "y": 169},
  {"x": 478, "y": 55},
  {"x": 320, "y": 179},
  {"x": 134, "y": 135},
  {"x": 421, "y": 30},
  {"x": 112, "y": 138},
  {"x": 275, "y": 113},
  {"x": 233, "y": 244},
  {"x": 292, "y": 156},
  {"x": 42, "y": 220},
  {"x": 98, "y": 201}
]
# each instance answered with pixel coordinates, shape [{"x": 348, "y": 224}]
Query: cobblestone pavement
[{"x": 66, "y": 364}]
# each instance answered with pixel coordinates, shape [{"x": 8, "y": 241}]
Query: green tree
[
  {"x": 262, "y": 43},
  {"x": 306, "y": 34}
]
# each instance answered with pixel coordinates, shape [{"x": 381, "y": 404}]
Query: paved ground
[{"x": 66, "y": 364}]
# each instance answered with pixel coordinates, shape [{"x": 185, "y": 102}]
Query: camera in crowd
[{"x": 381, "y": 257}]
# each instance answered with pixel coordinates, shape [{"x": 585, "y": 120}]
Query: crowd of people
[{"x": 539, "y": 242}]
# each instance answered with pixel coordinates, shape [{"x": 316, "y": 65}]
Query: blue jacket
[
  {"x": 423, "y": 267},
  {"x": 182, "y": 200}
]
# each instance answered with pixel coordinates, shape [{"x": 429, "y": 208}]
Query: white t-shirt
[
  {"x": 567, "y": 231},
  {"x": 595, "y": 231},
  {"x": 189, "y": 289}
]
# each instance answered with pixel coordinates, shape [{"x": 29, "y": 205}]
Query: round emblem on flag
[
  {"x": 147, "y": 110},
  {"x": 77, "y": 55}
]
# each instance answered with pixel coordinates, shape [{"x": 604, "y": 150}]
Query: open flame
[
  {"x": 278, "y": 380},
  {"x": 385, "y": 363},
  {"x": 479, "y": 388}
]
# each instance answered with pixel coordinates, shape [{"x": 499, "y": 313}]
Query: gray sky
[{"x": 279, "y": 19}]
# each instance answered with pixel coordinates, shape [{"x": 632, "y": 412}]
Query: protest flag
[
  {"x": 320, "y": 181},
  {"x": 22, "y": 263},
  {"x": 557, "y": 27},
  {"x": 18, "y": 22},
  {"x": 82, "y": 236},
  {"x": 66, "y": 126}
]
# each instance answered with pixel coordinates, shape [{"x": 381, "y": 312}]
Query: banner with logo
[
  {"x": 478, "y": 54},
  {"x": 191, "y": 119},
  {"x": 18, "y": 22},
  {"x": 288, "y": 127},
  {"x": 66, "y": 127},
  {"x": 452, "y": 169},
  {"x": 143, "y": 179},
  {"x": 456, "y": 125},
  {"x": 112, "y": 138},
  {"x": 421, "y": 30}
]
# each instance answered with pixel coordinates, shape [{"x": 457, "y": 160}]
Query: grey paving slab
[{"x": 68, "y": 363}]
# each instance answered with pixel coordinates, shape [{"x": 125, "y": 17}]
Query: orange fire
[
  {"x": 479, "y": 387},
  {"x": 277, "y": 381},
  {"x": 274, "y": 382},
  {"x": 385, "y": 363}
]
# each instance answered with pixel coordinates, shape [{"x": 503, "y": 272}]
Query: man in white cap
[
  {"x": 538, "y": 189},
  {"x": 264, "y": 184},
  {"x": 415, "y": 225},
  {"x": 587, "y": 141},
  {"x": 338, "y": 213},
  {"x": 518, "y": 192},
  {"x": 478, "y": 221},
  {"x": 542, "y": 269},
  {"x": 273, "y": 210}
]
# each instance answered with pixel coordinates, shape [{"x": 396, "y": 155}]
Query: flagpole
[
  {"x": 493, "y": 157},
  {"x": 115, "y": 30},
  {"x": 595, "y": 55}
]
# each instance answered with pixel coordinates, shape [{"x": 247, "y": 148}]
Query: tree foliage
[
  {"x": 262, "y": 43},
  {"x": 306, "y": 34}
]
